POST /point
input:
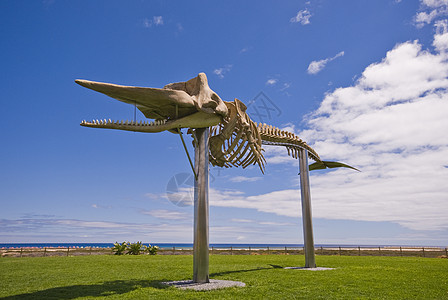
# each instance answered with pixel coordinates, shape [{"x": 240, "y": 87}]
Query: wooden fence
[{"x": 336, "y": 250}]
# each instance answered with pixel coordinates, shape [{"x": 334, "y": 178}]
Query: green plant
[
  {"x": 119, "y": 249},
  {"x": 152, "y": 250},
  {"x": 136, "y": 248}
]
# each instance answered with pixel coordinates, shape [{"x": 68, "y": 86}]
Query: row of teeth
[{"x": 134, "y": 123}]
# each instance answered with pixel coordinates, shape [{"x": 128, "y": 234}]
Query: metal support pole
[
  {"x": 200, "y": 244},
  {"x": 310, "y": 260}
]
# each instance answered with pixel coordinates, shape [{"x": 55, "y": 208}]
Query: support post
[
  {"x": 200, "y": 244},
  {"x": 310, "y": 260}
]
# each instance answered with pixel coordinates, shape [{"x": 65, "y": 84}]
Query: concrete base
[
  {"x": 212, "y": 285},
  {"x": 309, "y": 269}
]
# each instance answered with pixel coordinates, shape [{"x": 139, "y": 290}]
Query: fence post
[
  {"x": 249, "y": 250},
  {"x": 21, "y": 252},
  {"x": 268, "y": 250},
  {"x": 212, "y": 250},
  {"x": 321, "y": 250},
  {"x": 423, "y": 249},
  {"x": 446, "y": 251},
  {"x": 286, "y": 251},
  {"x": 45, "y": 251},
  {"x": 68, "y": 250},
  {"x": 90, "y": 252},
  {"x": 174, "y": 249},
  {"x": 379, "y": 251},
  {"x": 231, "y": 250},
  {"x": 359, "y": 251},
  {"x": 401, "y": 251},
  {"x": 339, "y": 250}
]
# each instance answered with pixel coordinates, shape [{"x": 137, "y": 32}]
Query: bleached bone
[{"x": 235, "y": 139}]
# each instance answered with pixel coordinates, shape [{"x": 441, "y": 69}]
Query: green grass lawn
[{"x": 139, "y": 277}]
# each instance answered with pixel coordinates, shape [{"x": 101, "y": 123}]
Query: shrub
[
  {"x": 152, "y": 250},
  {"x": 136, "y": 248},
  {"x": 119, "y": 249}
]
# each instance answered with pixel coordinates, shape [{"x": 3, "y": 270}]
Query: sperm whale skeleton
[
  {"x": 235, "y": 139},
  {"x": 223, "y": 135}
]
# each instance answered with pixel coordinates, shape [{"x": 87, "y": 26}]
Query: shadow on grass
[
  {"x": 117, "y": 287},
  {"x": 242, "y": 271},
  {"x": 109, "y": 288}
]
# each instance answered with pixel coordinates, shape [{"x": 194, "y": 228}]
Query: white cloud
[
  {"x": 271, "y": 81},
  {"x": 41, "y": 230},
  {"x": 101, "y": 206},
  {"x": 285, "y": 86},
  {"x": 221, "y": 71},
  {"x": 392, "y": 125},
  {"x": 166, "y": 214},
  {"x": 244, "y": 179},
  {"x": 430, "y": 10},
  {"x": 317, "y": 66},
  {"x": 242, "y": 220},
  {"x": 156, "y": 20},
  {"x": 302, "y": 17},
  {"x": 441, "y": 38}
]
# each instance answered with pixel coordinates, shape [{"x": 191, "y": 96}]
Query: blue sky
[{"x": 363, "y": 82}]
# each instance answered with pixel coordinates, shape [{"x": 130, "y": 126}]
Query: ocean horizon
[{"x": 190, "y": 245}]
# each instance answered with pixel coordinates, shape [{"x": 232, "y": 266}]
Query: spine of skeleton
[{"x": 292, "y": 142}]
